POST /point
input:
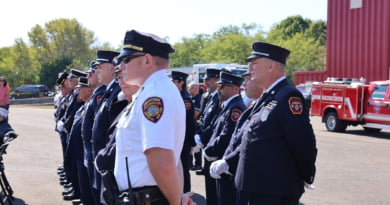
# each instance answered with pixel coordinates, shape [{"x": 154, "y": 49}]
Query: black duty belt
[{"x": 146, "y": 195}]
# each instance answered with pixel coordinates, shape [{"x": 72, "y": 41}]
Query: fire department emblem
[
  {"x": 99, "y": 98},
  {"x": 153, "y": 109},
  {"x": 296, "y": 105},
  {"x": 235, "y": 114},
  {"x": 187, "y": 103}
]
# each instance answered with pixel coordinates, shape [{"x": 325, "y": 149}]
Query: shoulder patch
[
  {"x": 153, "y": 109},
  {"x": 296, "y": 105},
  {"x": 235, "y": 114},
  {"x": 188, "y": 104},
  {"x": 99, "y": 99}
]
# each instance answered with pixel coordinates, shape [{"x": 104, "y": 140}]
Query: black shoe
[
  {"x": 62, "y": 182},
  {"x": 60, "y": 171},
  {"x": 76, "y": 201},
  {"x": 63, "y": 178},
  {"x": 196, "y": 168},
  {"x": 62, "y": 174},
  {"x": 70, "y": 197},
  {"x": 68, "y": 185},
  {"x": 201, "y": 172},
  {"x": 67, "y": 191},
  {"x": 60, "y": 167}
]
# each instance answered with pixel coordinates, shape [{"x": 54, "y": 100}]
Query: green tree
[
  {"x": 307, "y": 54},
  {"x": 229, "y": 48},
  {"x": 317, "y": 30},
  {"x": 61, "y": 44},
  {"x": 25, "y": 66},
  {"x": 188, "y": 51},
  {"x": 289, "y": 27},
  {"x": 7, "y": 66},
  {"x": 306, "y": 41},
  {"x": 52, "y": 69}
]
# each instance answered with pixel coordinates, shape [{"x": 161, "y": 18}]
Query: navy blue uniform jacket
[
  {"x": 224, "y": 126},
  {"x": 73, "y": 105},
  {"x": 86, "y": 129},
  {"x": 210, "y": 111},
  {"x": 190, "y": 121},
  {"x": 75, "y": 149},
  {"x": 103, "y": 118},
  {"x": 232, "y": 152},
  {"x": 278, "y": 148}
]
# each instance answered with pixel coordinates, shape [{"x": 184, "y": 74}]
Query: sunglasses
[{"x": 127, "y": 59}]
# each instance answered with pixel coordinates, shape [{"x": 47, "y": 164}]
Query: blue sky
[{"x": 110, "y": 19}]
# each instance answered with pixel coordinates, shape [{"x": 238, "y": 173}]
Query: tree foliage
[
  {"x": 306, "y": 41},
  {"x": 63, "y": 39},
  {"x": 64, "y": 43}
]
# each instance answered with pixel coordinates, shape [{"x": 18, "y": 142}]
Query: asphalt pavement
[{"x": 352, "y": 168}]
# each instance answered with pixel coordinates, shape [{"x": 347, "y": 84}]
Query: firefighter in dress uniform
[
  {"x": 75, "y": 148},
  {"x": 73, "y": 105},
  {"x": 278, "y": 148},
  {"x": 90, "y": 109},
  {"x": 210, "y": 110},
  {"x": 228, "y": 164},
  {"x": 108, "y": 108},
  {"x": 232, "y": 107},
  {"x": 180, "y": 78}
]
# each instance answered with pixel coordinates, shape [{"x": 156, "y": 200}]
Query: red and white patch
[
  {"x": 188, "y": 104},
  {"x": 296, "y": 105},
  {"x": 99, "y": 99},
  {"x": 235, "y": 114},
  {"x": 153, "y": 109}
]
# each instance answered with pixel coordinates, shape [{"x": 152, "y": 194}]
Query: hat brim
[
  {"x": 254, "y": 56},
  {"x": 224, "y": 82},
  {"x": 100, "y": 62},
  {"x": 208, "y": 77},
  {"x": 79, "y": 86},
  {"x": 124, "y": 53}
]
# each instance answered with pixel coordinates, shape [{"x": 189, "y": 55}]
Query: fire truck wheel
[
  {"x": 334, "y": 124},
  {"x": 372, "y": 130}
]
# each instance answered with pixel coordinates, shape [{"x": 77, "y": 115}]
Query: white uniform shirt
[{"x": 150, "y": 123}]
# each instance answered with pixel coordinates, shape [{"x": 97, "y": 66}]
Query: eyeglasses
[{"x": 127, "y": 59}]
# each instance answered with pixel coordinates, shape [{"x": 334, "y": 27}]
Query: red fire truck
[{"x": 342, "y": 102}]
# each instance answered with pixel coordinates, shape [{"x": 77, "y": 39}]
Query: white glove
[
  {"x": 218, "y": 167},
  {"x": 309, "y": 186},
  {"x": 5, "y": 139},
  {"x": 60, "y": 126},
  {"x": 210, "y": 159},
  {"x": 196, "y": 149},
  {"x": 197, "y": 139}
]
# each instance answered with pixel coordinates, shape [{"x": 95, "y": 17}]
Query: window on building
[{"x": 356, "y": 4}]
